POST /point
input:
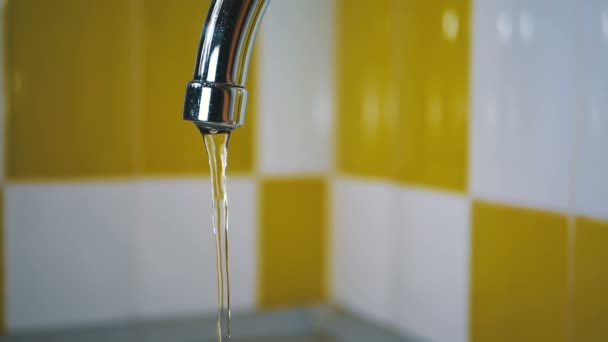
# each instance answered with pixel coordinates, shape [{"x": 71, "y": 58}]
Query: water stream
[{"x": 217, "y": 150}]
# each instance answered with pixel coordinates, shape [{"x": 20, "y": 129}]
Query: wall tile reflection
[
  {"x": 169, "y": 40},
  {"x": 431, "y": 264},
  {"x": 522, "y": 135},
  {"x": 363, "y": 257},
  {"x": 366, "y": 103},
  {"x": 519, "y": 275},
  {"x": 591, "y": 281},
  {"x": 403, "y": 91},
  {"x": 433, "y": 83},
  {"x": 96, "y": 90},
  {"x": 69, "y": 89},
  {"x": 591, "y": 163},
  {"x": 292, "y": 243},
  {"x": 296, "y": 88}
]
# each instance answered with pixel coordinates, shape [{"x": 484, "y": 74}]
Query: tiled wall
[
  {"x": 107, "y": 197},
  {"x": 476, "y": 133},
  {"x": 401, "y": 242},
  {"x": 436, "y": 166}
]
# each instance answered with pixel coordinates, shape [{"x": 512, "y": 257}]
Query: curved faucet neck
[{"x": 216, "y": 97}]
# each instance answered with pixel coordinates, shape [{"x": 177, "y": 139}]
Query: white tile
[
  {"x": 591, "y": 191},
  {"x": 361, "y": 247},
  {"x": 69, "y": 253},
  {"x": 523, "y": 101},
  {"x": 296, "y": 87},
  {"x": 243, "y": 199},
  {"x": 176, "y": 252},
  {"x": 432, "y": 265}
]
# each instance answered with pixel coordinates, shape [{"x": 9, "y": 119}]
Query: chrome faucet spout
[{"x": 216, "y": 98}]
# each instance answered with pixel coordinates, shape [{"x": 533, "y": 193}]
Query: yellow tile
[
  {"x": 591, "y": 281},
  {"x": 96, "y": 89},
  {"x": 292, "y": 242},
  {"x": 519, "y": 275},
  {"x": 171, "y": 145},
  {"x": 433, "y": 41},
  {"x": 402, "y": 90},
  {"x": 366, "y": 98},
  {"x": 69, "y": 89}
]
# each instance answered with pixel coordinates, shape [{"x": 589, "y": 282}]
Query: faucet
[{"x": 216, "y": 98}]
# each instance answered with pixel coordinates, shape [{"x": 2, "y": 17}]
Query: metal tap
[{"x": 216, "y": 98}]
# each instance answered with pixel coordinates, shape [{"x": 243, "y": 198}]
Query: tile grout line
[
  {"x": 3, "y": 145},
  {"x": 137, "y": 54},
  {"x": 572, "y": 181}
]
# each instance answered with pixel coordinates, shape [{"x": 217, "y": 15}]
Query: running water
[{"x": 217, "y": 150}]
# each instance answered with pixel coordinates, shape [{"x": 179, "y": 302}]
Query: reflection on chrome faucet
[{"x": 216, "y": 98}]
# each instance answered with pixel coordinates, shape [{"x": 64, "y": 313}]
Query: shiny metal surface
[{"x": 216, "y": 98}]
